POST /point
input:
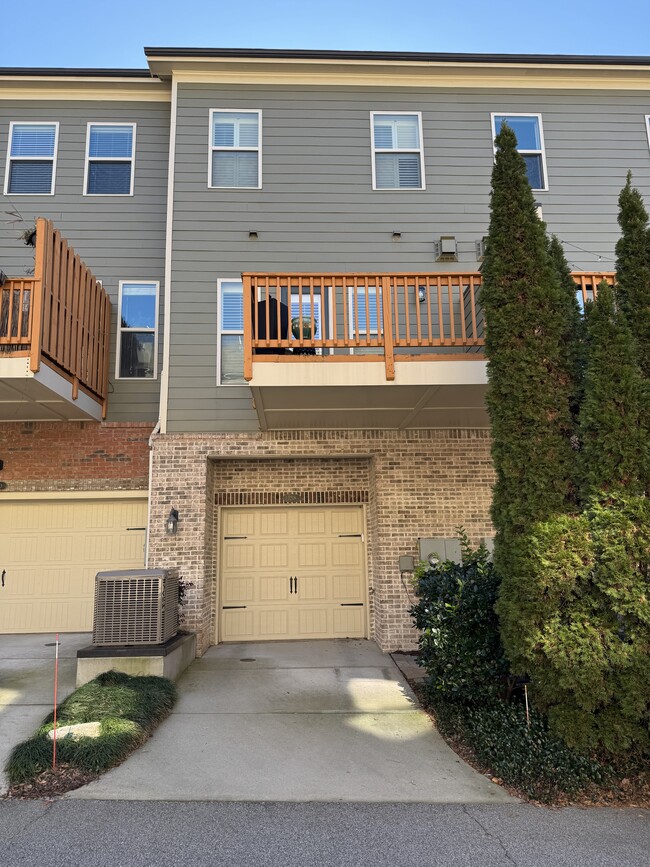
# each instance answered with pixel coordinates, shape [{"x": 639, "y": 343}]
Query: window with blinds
[
  {"x": 235, "y": 153},
  {"x": 31, "y": 159},
  {"x": 230, "y": 362},
  {"x": 397, "y": 154},
  {"x": 110, "y": 150},
  {"x": 530, "y": 144}
]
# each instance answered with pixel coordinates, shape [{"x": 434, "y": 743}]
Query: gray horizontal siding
[
  {"x": 317, "y": 210},
  {"x": 120, "y": 238}
]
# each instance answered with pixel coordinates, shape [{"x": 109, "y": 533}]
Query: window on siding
[
  {"x": 231, "y": 333},
  {"x": 32, "y": 158},
  {"x": 397, "y": 157},
  {"x": 365, "y": 319},
  {"x": 110, "y": 150},
  {"x": 235, "y": 149},
  {"x": 137, "y": 332},
  {"x": 530, "y": 144}
]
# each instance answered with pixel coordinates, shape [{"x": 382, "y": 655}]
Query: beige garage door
[
  {"x": 292, "y": 573},
  {"x": 51, "y": 550}
]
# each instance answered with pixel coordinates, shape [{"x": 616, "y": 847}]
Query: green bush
[
  {"x": 528, "y": 757},
  {"x": 459, "y": 639},
  {"x": 127, "y": 707},
  {"x": 584, "y": 623}
]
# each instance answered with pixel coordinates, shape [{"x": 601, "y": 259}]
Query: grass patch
[{"x": 128, "y": 708}]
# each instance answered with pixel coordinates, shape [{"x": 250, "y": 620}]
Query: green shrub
[
  {"x": 459, "y": 639},
  {"x": 127, "y": 707},
  {"x": 528, "y": 757},
  {"x": 584, "y": 623}
]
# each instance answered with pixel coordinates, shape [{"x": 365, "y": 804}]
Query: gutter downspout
[
  {"x": 154, "y": 434},
  {"x": 164, "y": 377}
]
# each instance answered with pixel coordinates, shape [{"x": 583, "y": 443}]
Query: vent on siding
[{"x": 135, "y": 607}]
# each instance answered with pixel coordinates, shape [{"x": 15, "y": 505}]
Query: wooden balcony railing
[
  {"x": 369, "y": 317},
  {"x": 60, "y": 316}
]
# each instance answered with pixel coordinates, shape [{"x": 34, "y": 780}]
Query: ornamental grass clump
[{"x": 127, "y": 707}]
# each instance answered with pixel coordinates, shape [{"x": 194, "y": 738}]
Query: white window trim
[
  {"x": 221, "y": 331},
  {"x": 130, "y": 159},
  {"x": 522, "y": 151},
  {"x": 419, "y": 151},
  {"x": 13, "y": 123},
  {"x": 153, "y": 330},
  {"x": 647, "y": 127},
  {"x": 212, "y": 148}
]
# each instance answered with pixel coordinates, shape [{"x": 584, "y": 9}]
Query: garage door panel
[
  {"x": 274, "y": 556},
  {"x": 313, "y": 623},
  {"x": 312, "y": 587},
  {"x": 300, "y": 544},
  {"x": 312, "y": 555},
  {"x": 347, "y": 622},
  {"x": 51, "y": 560},
  {"x": 273, "y": 588},
  {"x": 237, "y": 590}
]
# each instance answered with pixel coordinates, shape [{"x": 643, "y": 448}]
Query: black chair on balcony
[{"x": 278, "y": 325}]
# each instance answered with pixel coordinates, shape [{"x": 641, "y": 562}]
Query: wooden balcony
[
  {"x": 54, "y": 337},
  {"x": 413, "y": 341}
]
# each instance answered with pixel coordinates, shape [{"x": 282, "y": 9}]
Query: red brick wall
[{"x": 74, "y": 455}]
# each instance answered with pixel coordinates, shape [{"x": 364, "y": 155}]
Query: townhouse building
[{"x": 240, "y": 322}]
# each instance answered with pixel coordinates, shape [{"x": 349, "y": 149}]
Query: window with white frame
[
  {"x": 647, "y": 127},
  {"x": 31, "y": 159},
  {"x": 137, "y": 338},
  {"x": 366, "y": 315},
  {"x": 230, "y": 366},
  {"x": 397, "y": 153},
  {"x": 110, "y": 149},
  {"x": 530, "y": 144},
  {"x": 235, "y": 152}
]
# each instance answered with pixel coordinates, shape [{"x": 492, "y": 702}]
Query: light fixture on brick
[{"x": 171, "y": 525}]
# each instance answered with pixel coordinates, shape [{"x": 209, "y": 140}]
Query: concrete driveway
[
  {"x": 295, "y": 721},
  {"x": 27, "y": 684}
]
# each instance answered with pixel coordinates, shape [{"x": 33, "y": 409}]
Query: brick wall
[
  {"x": 418, "y": 483},
  {"x": 68, "y": 456}
]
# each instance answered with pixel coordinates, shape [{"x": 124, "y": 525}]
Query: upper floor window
[
  {"x": 397, "y": 156},
  {"x": 530, "y": 144},
  {"x": 31, "y": 159},
  {"x": 647, "y": 126},
  {"x": 137, "y": 333},
  {"x": 109, "y": 159},
  {"x": 235, "y": 152}
]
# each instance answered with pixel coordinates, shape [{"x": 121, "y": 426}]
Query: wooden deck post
[
  {"x": 36, "y": 323},
  {"x": 389, "y": 352},
  {"x": 248, "y": 326}
]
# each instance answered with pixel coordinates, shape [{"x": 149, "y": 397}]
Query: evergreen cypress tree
[
  {"x": 529, "y": 392},
  {"x": 529, "y": 389},
  {"x": 613, "y": 421},
  {"x": 573, "y": 341},
  {"x": 633, "y": 269}
]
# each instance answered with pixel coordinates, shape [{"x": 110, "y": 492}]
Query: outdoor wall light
[
  {"x": 171, "y": 524},
  {"x": 433, "y": 559},
  {"x": 422, "y": 294}
]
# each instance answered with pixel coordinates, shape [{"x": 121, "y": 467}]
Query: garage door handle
[
  {"x": 4, "y": 572},
  {"x": 230, "y": 607},
  {"x": 351, "y": 604}
]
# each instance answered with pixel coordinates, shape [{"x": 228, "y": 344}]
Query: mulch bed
[{"x": 51, "y": 784}]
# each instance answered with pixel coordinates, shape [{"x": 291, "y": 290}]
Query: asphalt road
[{"x": 157, "y": 834}]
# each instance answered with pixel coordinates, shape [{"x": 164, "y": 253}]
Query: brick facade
[
  {"x": 415, "y": 483},
  {"x": 74, "y": 456}
]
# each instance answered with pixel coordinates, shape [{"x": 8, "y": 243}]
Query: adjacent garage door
[
  {"x": 292, "y": 573},
  {"x": 51, "y": 550}
]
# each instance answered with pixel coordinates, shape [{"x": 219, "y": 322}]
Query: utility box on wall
[{"x": 446, "y": 549}]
